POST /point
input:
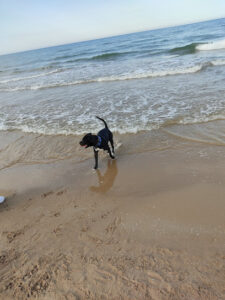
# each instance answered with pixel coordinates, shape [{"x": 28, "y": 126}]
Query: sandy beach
[{"x": 149, "y": 225}]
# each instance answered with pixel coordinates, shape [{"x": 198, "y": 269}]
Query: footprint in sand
[
  {"x": 60, "y": 192},
  {"x": 58, "y": 230},
  {"x": 156, "y": 280},
  {"x": 47, "y": 194},
  {"x": 57, "y": 214},
  {"x": 11, "y": 235},
  {"x": 113, "y": 225}
]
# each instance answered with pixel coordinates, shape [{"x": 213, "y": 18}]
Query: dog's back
[{"x": 105, "y": 134}]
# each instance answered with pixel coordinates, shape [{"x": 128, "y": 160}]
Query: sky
[{"x": 33, "y": 24}]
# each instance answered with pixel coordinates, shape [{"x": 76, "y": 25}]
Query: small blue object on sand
[{"x": 2, "y": 199}]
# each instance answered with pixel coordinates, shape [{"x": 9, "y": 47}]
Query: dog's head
[{"x": 89, "y": 140}]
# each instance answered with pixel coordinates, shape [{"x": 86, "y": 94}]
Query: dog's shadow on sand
[{"x": 106, "y": 180}]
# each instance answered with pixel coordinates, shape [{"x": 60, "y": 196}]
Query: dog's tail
[{"x": 106, "y": 126}]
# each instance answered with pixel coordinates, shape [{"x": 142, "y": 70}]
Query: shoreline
[
  {"x": 147, "y": 225},
  {"x": 18, "y": 147}
]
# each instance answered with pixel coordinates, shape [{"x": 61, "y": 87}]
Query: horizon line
[{"x": 105, "y": 37}]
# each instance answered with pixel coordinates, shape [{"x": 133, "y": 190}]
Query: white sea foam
[
  {"x": 151, "y": 74},
  {"x": 123, "y": 129},
  {"x": 217, "y": 45},
  {"x": 48, "y": 131},
  {"x": 201, "y": 119},
  {"x": 126, "y": 76},
  {"x": 40, "y": 130},
  {"x": 218, "y": 62},
  {"x": 30, "y": 77}
]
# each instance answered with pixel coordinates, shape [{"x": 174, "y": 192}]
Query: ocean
[{"x": 170, "y": 79}]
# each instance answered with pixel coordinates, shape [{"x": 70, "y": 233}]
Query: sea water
[{"x": 141, "y": 81}]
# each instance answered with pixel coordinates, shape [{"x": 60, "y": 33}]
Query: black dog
[{"x": 99, "y": 141}]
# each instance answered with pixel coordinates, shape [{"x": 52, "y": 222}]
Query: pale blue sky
[{"x": 32, "y": 24}]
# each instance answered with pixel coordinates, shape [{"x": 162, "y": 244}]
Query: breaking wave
[
  {"x": 217, "y": 45},
  {"x": 194, "y": 47},
  {"x": 51, "y": 129},
  {"x": 129, "y": 76},
  {"x": 109, "y": 56},
  {"x": 30, "y": 77},
  {"x": 188, "y": 49}
]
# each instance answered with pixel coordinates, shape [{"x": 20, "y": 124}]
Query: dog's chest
[
  {"x": 97, "y": 149},
  {"x": 102, "y": 146}
]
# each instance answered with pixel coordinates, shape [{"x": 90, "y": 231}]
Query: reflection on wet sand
[{"x": 106, "y": 181}]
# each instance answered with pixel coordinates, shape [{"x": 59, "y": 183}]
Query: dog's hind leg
[
  {"x": 112, "y": 144},
  {"x": 110, "y": 153}
]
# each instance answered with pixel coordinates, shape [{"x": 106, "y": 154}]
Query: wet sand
[{"x": 149, "y": 225}]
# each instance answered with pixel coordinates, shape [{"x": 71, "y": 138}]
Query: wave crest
[
  {"x": 30, "y": 77},
  {"x": 108, "y": 56},
  {"x": 194, "y": 47},
  {"x": 123, "y": 77},
  {"x": 217, "y": 45},
  {"x": 188, "y": 49}
]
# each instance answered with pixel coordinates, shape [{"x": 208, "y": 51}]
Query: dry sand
[{"x": 145, "y": 226}]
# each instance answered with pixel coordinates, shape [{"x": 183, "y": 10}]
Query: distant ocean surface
[{"x": 139, "y": 81}]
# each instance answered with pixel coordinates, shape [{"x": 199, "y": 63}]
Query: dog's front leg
[{"x": 96, "y": 158}]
